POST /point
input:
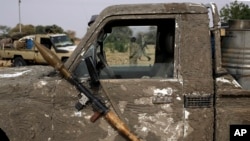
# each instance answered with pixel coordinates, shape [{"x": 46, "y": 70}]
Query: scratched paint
[
  {"x": 186, "y": 114},
  {"x": 163, "y": 92},
  {"x": 214, "y": 9},
  {"x": 77, "y": 114},
  {"x": 40, "y": 84},
  {"x": 122, "y": 105},
  {"x": 178, "y": 98},
  {"x": 236, "y": 84},
  {"x": 176, "y": 25},
  {"x": 17, "y": 74},
  {"x": 144, "y": 101},
  {"x": 187, "y": 129},
  {"x": 161, "y": 123},
  {"x": 224, "y": 80},
  {"x": 46, "y": 115}
]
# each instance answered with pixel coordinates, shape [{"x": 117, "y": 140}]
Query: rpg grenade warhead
[{"x": 53, "y": 60}]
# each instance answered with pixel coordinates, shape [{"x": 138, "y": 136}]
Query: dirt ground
[
  {"x": 4, "y": 63},
  {"x": 30, "y": 101}
]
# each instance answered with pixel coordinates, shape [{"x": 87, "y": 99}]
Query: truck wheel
[{"x": 18, "y": 62}]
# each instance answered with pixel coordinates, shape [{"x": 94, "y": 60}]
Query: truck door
[{"x": 138, "y": 75}]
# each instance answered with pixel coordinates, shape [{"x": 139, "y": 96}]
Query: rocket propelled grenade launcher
[{"x": 99, "y": 107}]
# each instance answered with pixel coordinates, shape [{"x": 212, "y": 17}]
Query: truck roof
[
  {"x": 151, "y": 8},
  {"x": 160, "y": 8}
]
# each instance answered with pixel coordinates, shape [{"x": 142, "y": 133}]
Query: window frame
[{"x": 92, "y": 39}]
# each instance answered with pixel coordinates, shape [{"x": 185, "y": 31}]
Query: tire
[{"x": 18, "y": 62}]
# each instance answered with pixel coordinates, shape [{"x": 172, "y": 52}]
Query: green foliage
[
  {"x": 53, "y": 29},
  {"x": 28, "y": 30},
  {"x": 235, "y": 11},
  {"x": 48, "y": 29},
  {"x": 40, "y": 29},
  {"x": 110, "y": 46},
  {"x": 4, "y": 31},
  {"x": 120, "y": 47},
  {"x": 119, "y": 38},
  {"x": 149, "y": 37}
]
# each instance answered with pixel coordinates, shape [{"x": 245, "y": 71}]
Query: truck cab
[{"x": 157, "y": 69}]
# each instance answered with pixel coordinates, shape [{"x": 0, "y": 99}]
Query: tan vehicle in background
[{"x": 23, "y": 52}]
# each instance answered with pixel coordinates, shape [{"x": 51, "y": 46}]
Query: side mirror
[{"x": 94, "y": 78}]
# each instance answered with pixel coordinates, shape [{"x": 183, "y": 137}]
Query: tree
[
  {"x": 26, "y": 29},
  {"x": 235, "y": 10},
  {"x": 149, "y": 36},
  {"x": 71, "y": 34},
  {"x": 53, "y": 29},
  {"x": 31, "y": 29},
  {"x": 40, "y": 29},
  {"x": 119, "y": 38},
  {"x": 4, "y": 30},
  {"x": 48, "y": 29}
]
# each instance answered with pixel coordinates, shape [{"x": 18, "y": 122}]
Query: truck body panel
[{"x": 196, "y": 66}]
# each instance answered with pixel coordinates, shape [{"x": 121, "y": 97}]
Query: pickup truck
[
  {"x": 171, "y": 86},
  {"x": 22, "y": 52}
]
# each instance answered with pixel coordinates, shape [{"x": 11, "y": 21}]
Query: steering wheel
[{"x": 106, "y": 67}]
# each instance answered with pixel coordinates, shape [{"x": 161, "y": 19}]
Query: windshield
[{"x": 61, "y": 41}]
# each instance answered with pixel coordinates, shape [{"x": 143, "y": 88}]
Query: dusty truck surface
[
  {"x": 157, "y": 66},
  {"x": 23, "y": 52}
]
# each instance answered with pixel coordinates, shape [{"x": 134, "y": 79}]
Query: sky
[{"x": 69, "y": 14}]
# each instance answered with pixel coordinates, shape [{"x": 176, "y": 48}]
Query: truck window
[
  {"x": 133, "y": 49},
  {"x": 46, "y": 42},
  {"x": 61, "y": 41},
  {"x": 139, "y": 51}
]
